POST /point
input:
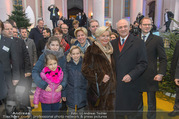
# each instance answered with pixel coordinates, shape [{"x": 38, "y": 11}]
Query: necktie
[
  {"x": 122, "y": 42},
  {"x": 143, "y": 37}
]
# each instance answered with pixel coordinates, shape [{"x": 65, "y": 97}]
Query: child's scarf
[{"x": 53, "y": 75}]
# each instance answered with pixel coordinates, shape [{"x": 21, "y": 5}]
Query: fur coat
[{"x": 101, "y": 66}]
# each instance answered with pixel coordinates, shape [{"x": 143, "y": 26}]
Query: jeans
[{"x": 50, "y": 110}]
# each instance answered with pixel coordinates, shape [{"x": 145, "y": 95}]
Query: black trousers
[
  {"x": 176, "y": 106},
  {"x": 151, "y": 100},
  {"x": 167, "y": 26},
  {"x": 54, "y": 22}
]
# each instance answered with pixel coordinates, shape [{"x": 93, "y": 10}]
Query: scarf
[
  {"x": 83, "y": 49},
  {"x": 58, "y": 54},
  {"x": 107, "y": 50},
  {"x": 53, "y": 75}
]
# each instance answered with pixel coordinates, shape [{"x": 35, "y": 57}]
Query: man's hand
[
  {"x": 59, "y": 88},
  {"x": 106, "y": 78},
  {"x": 48, "y": 88},
  {"x": 15, "y": 82},
  {"x": 176, "y": 82},
  {"x": 158, "y": 77},
  {"x": 28, "y": 74},
  {"x": 64, "y": 99},
  {"x": 127, "y": 78}
]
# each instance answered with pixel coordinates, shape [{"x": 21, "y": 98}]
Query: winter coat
[
  {"x": 101, "y": 66},
  {"x": 23, "y": 57},
  {"x": 3, "y": 85},
  {"x": 30, "y": 45},
  {"x": 36, "y": 35},
  {"x": 40, "y": 64},
  {"x": 76, "y": 85},
  {"x": 48, "y": 97},
  {"x": 131, "y": 60}
]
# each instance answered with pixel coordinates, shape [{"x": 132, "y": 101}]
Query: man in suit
[
  {"x": 53, "y": 14},
  {"x": 131, "y": 61},
  {"x": 79, "y": 18},
  {"x": 175, "y": 77},
  {"x": 150, "y": 78},
  {"x": 167, "y": 17}
]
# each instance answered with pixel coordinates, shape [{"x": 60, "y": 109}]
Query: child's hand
[
  {"x": 64, "y": 99},
  {"x": 59, "y": 88},
  {"x": 48, "y": 88},
  {"x": 35, "y": 106}
]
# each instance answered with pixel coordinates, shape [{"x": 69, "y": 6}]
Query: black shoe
[{"x": 173, "y": 113}]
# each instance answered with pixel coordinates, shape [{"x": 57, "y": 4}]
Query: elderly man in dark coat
[{"x": 131, "y": 61}]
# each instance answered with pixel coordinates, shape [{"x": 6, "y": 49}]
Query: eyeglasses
[{"x": 147, "y": 24}]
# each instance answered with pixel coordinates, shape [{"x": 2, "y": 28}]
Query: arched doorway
[
  {"x": 152, "y": 10},
  {"x": 74, "y": 7}
]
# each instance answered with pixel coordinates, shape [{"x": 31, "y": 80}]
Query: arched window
[
  {"x": 106, "y": 8},
  {"x": 18, "y": 2},
  {"x": 127, "y": 8}
]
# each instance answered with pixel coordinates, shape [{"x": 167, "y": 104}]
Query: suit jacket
[
  {"x": 155, "y": 49},
  {"x": 169, "y": 14},
  {"x": 51, "y": 13},
  {"x": 174, "y": 61},
  {"x": 131, "y": 60},
  {"x": 30, "y": 45},
  {"x": 9, "y": 56},
  {"x": 23, "y": 57}
]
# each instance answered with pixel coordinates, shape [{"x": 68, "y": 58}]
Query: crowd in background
[{"x": 77, "y": 55}]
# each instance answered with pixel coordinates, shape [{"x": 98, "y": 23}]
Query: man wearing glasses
[{"x": 150, "y": 78}]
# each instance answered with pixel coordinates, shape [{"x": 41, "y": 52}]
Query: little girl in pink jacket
[{"x": 50, "y": 99}]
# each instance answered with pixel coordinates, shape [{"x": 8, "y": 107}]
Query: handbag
[{"x": 92, "y": 95}]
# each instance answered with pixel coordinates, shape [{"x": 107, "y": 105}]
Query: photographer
[{"x": 135, "y": 29}]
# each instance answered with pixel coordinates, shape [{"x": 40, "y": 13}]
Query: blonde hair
[
  {"x": 71, "y": 49},
  {"x": 83, "y": 29},
  {"x": 101, "y": 30}
]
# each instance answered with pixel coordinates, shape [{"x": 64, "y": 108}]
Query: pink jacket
[{"x": 48, "y": 97}]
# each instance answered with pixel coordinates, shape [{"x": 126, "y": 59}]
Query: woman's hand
[
  {"x": 106, "y": 78},
  {"x": 48, "y": 88},
  {"x": 35, "y": 106},
  {"x": 59, "y": 88}
]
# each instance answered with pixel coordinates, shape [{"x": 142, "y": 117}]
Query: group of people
[
  {"x": 54, "y": 17},
  {"x": 64, "y": 67}
]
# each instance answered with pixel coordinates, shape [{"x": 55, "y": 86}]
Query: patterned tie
[
  {"x": 143, "y": 37},
  {"x": 122, "y": 41}
]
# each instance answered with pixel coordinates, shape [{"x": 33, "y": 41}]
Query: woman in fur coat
[{"x": 99, "y": 59}]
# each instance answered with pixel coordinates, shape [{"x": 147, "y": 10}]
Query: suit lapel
[
  {"x": 127, "y": 45},
  {"x": 149, "y": 39}
]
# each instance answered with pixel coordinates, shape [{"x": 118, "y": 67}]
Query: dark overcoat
[
  {"x": 101, "y": 66},
  {"x": 131, "y": 60},
  {"x": 155, "y": 49},
  {"x": 9, "y": 57},
  {"x": 3, "y": 85}
]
